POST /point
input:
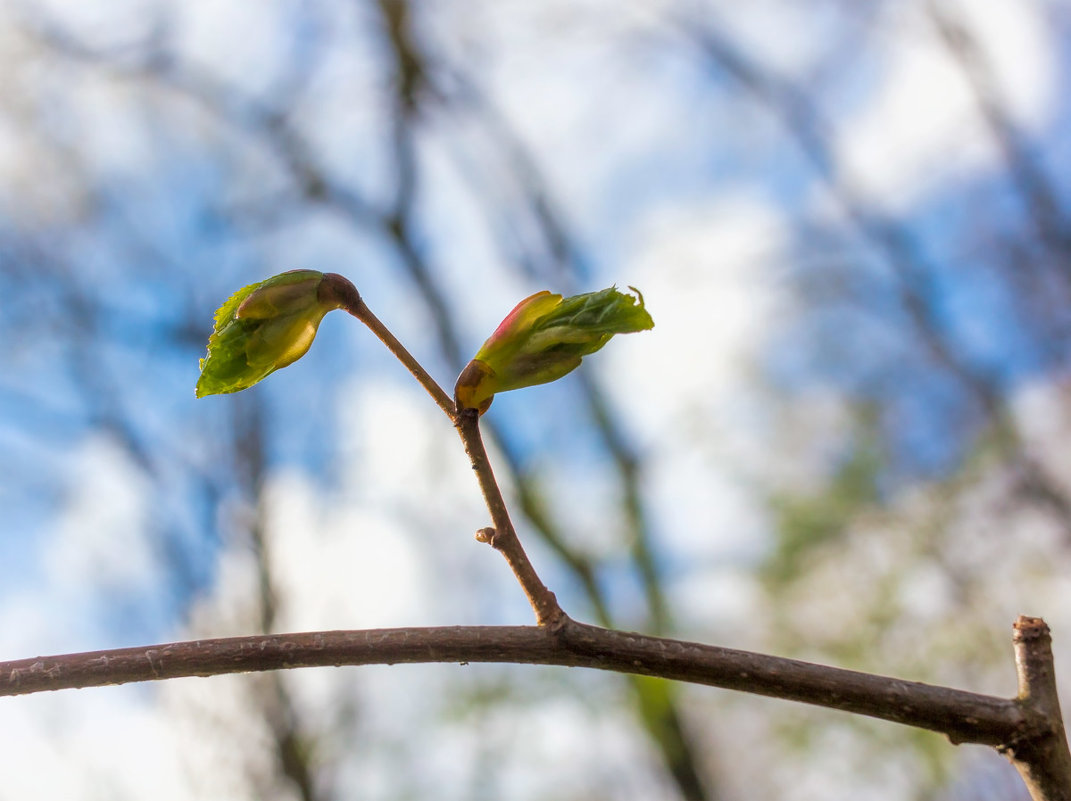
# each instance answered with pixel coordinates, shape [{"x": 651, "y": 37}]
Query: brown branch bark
[
  {"x": 503, "y": 537},
  {"x": 1017, "y": 726},
  {"x": 1043, "y": 760}
]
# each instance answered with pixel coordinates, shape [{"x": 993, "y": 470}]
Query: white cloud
[
  {"x": 99, "y": 536},
  {"x": 107, "y": 742},
  {"x": 709, "y": 280},
  {"x": 346, "y": 568},
  {"x": 96, "y": 547},
  {"x": 707, "y": 276},
  {"x": 920, "y": 125},
  {"x": 1043, "y": 421},
  {"x": 236, "y": 41}
]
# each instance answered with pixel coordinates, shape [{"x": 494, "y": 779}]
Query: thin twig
[
  {"x": 359, "y": 309},
  {"x": 503, "y": 537}
]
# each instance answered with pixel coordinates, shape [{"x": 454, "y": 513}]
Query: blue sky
[{"x": 132, "y": 206}]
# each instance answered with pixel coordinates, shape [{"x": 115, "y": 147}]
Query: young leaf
[
  {"x": 545, "y": 337},
  {"x": 268, "y": 325}
]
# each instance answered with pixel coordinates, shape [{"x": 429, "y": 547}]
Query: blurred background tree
[{"x": 843, "y": 441}]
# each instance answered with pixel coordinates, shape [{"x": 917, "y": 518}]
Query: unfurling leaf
[
  {"x": 268, "y": 325},
  {"x": 545, "y": 337}
]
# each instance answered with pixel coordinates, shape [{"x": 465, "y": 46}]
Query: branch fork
[
  {"x": 501, "y": 535},
  {"x": 1028, "y": 729}
]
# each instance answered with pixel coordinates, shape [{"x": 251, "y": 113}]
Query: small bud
[
  {"x": 268, "y": 325},
  {"x": 544, "y": 338},
  {"x": 472, "y": 382}
]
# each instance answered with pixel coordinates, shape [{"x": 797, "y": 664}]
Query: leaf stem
[{"x": 359, "y": 309}]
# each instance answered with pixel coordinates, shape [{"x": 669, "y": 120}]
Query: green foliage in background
[{"x": 806, "y": 521}]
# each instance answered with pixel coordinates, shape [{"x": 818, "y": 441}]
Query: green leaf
[
  {"x": 544, "y": 338},
  {"x": 266, "y": 326}
]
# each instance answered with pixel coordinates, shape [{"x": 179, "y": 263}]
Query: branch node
[
  {"x": 1039, "y": 751},
  {"x": 502, "y": 536},
  {"x": 557, "y": 622}
]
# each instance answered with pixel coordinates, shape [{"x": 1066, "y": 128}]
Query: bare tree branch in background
[
  {"x": 276, "y": 704},
  {"x": 1043, "y": 206},
  {"x": 804, "y": 124},
  {"x": 413, "y": 90},
  {"x": 426, "y": 95},
  {"x": 412, "y": 83}
]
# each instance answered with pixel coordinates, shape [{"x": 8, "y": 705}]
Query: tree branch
[
  {"x": 1014, "y": 725},
  {"x": 1043, "y": 761},
  {"x": 503, "y": 537}
]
